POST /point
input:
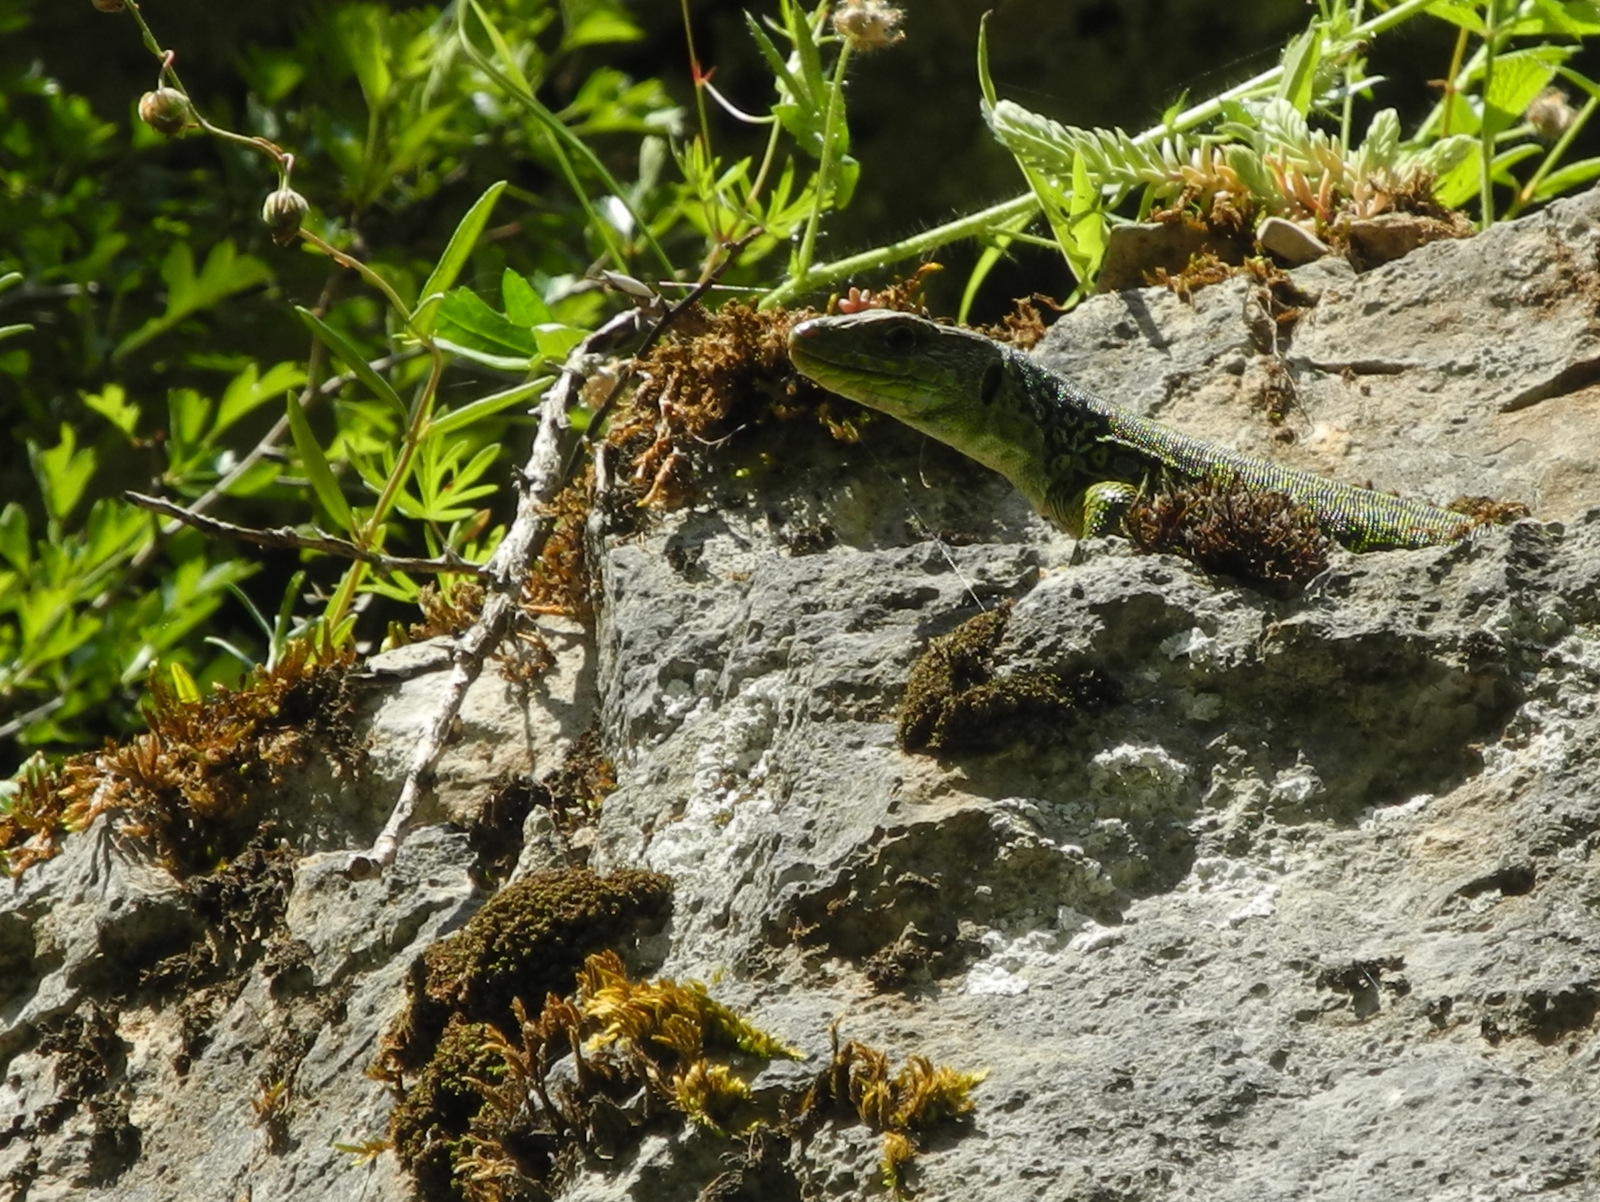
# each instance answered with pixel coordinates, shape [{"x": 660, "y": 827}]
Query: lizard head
[{"x": 936, "y": 378}]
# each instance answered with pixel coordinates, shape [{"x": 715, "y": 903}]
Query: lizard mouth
[{"x": 869, "y": 357}]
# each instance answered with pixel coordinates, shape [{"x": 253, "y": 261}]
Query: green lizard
[{"x": 1077, "y": 459}]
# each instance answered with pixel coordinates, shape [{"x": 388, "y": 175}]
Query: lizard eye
[
  {"x": 900, "y": 340},
  {"x": 993, "y": 376}
]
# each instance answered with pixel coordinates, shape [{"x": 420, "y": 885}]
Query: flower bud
[
  {"x": 110, "y": 6},
  {"x": 868, "y": 24},
  {"x": 283, "y": 212},
  {"x": 166, "y": 110}
]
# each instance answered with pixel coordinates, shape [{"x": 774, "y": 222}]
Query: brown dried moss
[
  {"x": 1259, "y": 536},
  {"x": 193, "y": 782}
]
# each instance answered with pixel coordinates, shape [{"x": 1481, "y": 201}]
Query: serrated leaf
[
  {"x": 224, "y": 273},
  {"x": 524, "y": 305}
]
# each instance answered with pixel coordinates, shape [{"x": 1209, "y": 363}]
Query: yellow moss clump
[{"x": 901, "y": 1106}]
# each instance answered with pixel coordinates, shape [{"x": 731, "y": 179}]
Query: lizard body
[{"x": 1079, "y": 460}]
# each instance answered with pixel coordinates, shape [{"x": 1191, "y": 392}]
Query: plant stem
[
  {"x": 825, "y": 169},
  {"x": 1491, "y": 30},
  {"x": 1525, "y": 194}
]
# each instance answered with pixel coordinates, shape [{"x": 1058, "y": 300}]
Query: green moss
[
  {"x": 534, "y": 935},
  {"x": 958, "y": 700},
  {"x": 428, "y": 1127},
  {"x": 526, "y": 942}
]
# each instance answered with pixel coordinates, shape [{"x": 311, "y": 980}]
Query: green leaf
[
  {"x": 555, "y": 340},
  {"x": 485, "y": 406},
  {"x": 360, "y": 33},
  {"x": 466, "y": 319},
  {"x": 317, "y": 469},
  {"x": 62, "y": 472},
  {"x": 188, "y": 412},
  {"x": 524, "y": 305},
  {"x": 504, "y": 58},
  {"x": 1462, "y": 13},
  {"x": 1500, "y": 166},
  {"x": 1518, "y": 77},
  {"x": 1458, "y": 184},
  {"x": 1301, "y": 58},
  {"x": 346, "y": 352},
  {"x": 985, "y": 81},
  {"x": 249, "y": 390},
  {"x": 1087, "y": 233},
  {"x": 225, "y": 272},
  {"x": 14, "y": 536},
  {"x": 1565, "y": 179},
  {"x": 776, "y": 62},
  {"x": 595, "y": 23},
  {"x": 184, "y": 688},
  {"x": 1567, "y": 18},
  {"x": 455, "y": 256},
  {"x": 114, "y": 406}
]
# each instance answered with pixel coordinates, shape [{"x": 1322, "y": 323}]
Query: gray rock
[{"x": 1305, "y": 908}]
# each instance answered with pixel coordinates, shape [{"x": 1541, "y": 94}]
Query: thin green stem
[
  {"x": 1355, "y": 63},
  {"x": 1557, "y": 152},
  {"x": 366, "y": 273},
  {"x": 562, "y": 140},
  {"x": 970, "y": 226},
  {"x": 825, "y": 169},
  {"x": 1491, "y": 33}
]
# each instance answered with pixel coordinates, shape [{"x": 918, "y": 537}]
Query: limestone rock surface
[{"x": 1305, "y": 905}]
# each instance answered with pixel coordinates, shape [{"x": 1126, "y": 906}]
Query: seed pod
[
  {"x": 283, "y": 212},
  {"x": 868, "y": 24},
  {"x": 1550, "y": 114},
  {"x": 166, "y": 110}
]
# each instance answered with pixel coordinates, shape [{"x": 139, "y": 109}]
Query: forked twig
[
  {"x": 328, "y": 544},
  {"x": 544, "y": 477}
]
